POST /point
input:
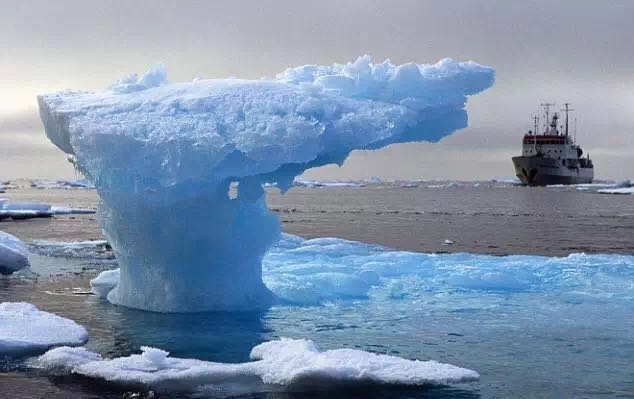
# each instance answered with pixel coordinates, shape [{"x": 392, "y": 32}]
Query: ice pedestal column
[{"x": 197, "y": 254}]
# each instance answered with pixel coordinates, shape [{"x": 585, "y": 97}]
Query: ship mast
[
  {"x": 535, "y": 124},
  {"x": 566, "y": 110},
  {"x": 547, "y": 112}
]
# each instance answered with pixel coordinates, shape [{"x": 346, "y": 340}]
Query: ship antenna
[
  {"x": 547, "y": 112},
  {"x": 535, "y": 123},
  {"x": 566, "y": 110}
]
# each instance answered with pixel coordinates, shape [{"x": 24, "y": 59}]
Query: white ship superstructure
[{"x": 552, "y": 157}]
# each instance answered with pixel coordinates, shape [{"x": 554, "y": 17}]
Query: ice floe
[
  {"x": 61, "y": 184},
  {"x": 93, "y": 249},
  {"x": 325, "y": 183},
  {"x": 26, "y": 330},
  {"x": 284, "y": 362},
  {"x": 28, "y": 210},
  {"x": 602, "y": 187},
  {"x": 311, "y": 272},
  {"x": 620, "y": 190},
  {"x": 14, "y": 254}
]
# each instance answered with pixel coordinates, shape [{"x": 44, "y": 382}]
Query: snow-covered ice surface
[
  {"x": 14, "y": 254},
  {"x": 26, "y": 330},
  {"x": 284, "y": 362},
  {"x": 163, "y": 157}
]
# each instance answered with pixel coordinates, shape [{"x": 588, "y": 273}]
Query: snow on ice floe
[
  {"x": 14, "y": 254},
  {"x": 284, "y": 362},
  {"x": 24, "y": 329},
  {"x": 312, "y": 272}
]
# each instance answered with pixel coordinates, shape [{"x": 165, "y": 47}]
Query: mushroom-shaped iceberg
[{"x": 164, "y": 156}]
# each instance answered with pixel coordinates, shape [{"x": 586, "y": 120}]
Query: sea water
[{"x": 568, "y": 333}]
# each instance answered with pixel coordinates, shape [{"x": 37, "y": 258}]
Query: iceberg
[
  {"x": 14, "y": 255},
  {"x": 26, "y": 330},
  {"x": 163, "y": 158},
  {"x": 285, "y": 362}
]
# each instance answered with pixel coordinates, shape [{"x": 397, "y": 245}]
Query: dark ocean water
[{"x": 543, "y": 343}]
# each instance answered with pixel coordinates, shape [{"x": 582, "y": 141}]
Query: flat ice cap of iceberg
[
  {"x": 14, "y": 255},
  {"x": 24, "y": 330},
  {"x": 162, "y": 157},
  {"x": 284, "y": 362}
]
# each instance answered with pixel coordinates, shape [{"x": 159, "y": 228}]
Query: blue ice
[{"x": 163, "y": 156}]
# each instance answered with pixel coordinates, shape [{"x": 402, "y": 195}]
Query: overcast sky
[{"x": 577, "y": 51}]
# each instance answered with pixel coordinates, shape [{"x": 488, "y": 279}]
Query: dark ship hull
[{"x": 542, "y": 171}]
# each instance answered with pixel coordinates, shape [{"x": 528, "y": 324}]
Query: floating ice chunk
[
  {"x": 64, "y": 210},
  {"x": 64, "y": 358},
  {"x": 24, "y": 329},
  {"x": 283, "y": 362},
  {"x": 14, "y": 255},
  {"x": 92, "y": 249},
  {"x": 27, "y": 206},
  {"x": 622, "y": 190},
  {"x": 290, "y": 361},
  {"x": 23, "y": 210},
  {"x": 27, "y": 210},
  {"x": 163, "y": 157},
  {"x": 104, "y": 283},
  {"x": 61, "y": 184},
  {"x": 319, "y": 184}
]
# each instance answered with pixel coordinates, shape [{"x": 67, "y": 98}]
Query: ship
[{"x": 552, "y": 157}]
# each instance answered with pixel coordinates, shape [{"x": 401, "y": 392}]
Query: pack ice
[
  {"x": 24, "y": 329},
  {"x": 284, "y": 362},
  {"x": 163, "y": 156}
]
